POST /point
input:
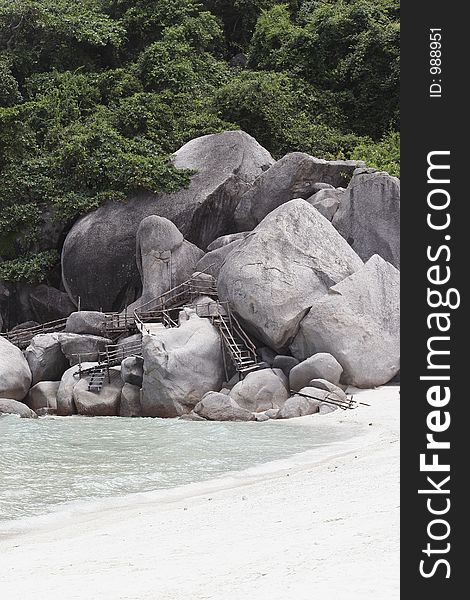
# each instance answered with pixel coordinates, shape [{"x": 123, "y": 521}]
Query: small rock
[
  {"x": 323, "y": 384},
  {"x": 132, "y": 370},
  {"x": 261, "y": 390},
  {"x": 217, "y": 407},
  {"x": 13, "y": 407},
  {"x": 318, "y": 366},
  {"x": 43, "y": 397},
  {"x": 285, "y": 363}
]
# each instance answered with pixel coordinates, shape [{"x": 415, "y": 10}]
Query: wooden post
[
  {"x": 107, "y": 365},
  {"x": 224, "y": 358},
  {"x": 79, "y": 304}
]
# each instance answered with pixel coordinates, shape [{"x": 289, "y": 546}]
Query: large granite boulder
[
  {"x": 212, "y": 262},
  {"x": 261, "y": 390},
  {"x": 88, "y": 322},
  {"x": 180, "y": 366},
  {"x": 219, "y": 407},
  {"x": 358, "y": 322},
  {"x": 21, "y": 302},
  {"x": 99, "y": 404},
  {"x": 42, "y": 397},
  {"x": 49, "y": 304},
  {"x": 293, "y": 176},
  {"x": 98, "y": 259},
  {"x": 274, "y": 275},
  {"x": 87, "y": 346},
  {"x": 130, "y": 401},
  {"x": 164, "y": 258},
  {"x": 45, "y": 358},
  {"x": 369, "y": 216},
  {"x": 65, "y": 403},
  {"x": 13, "y": 407},
  {"x": 319, "y": 366},
  {"x": 15, "y": 374}
]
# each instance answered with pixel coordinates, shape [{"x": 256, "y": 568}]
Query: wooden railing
[{"x": 22, "y": 337}]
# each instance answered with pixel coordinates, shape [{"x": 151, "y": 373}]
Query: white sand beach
[{"x": 323, "y": 524}]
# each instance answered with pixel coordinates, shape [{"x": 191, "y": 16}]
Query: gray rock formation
[
  {"x": 323, "y": 384},
  {"x": 130, "y": 401},
  {"x": 65, "y": 403},
  {"x": 316, "y": 187},
  {"x": 98, "y": 255},
  {"x": 15, "y": 374},
  {"x": 21, "y": 302},
  {"x": 213, "y": 261},
  {"x": 299, "y": 406},
  {"x": 327, "y": 202},
  {"x": 42, "y": 397},
  {"x": 358, "y": 323},
  {"x": 219, "y": 407},
  {"x": 102, "y": 404},
  {"x": 285, "y": 363},
  {"x": 369, "y": 216},
  {"x": 132, "y": 370},
  {"x": 192, "y": 416},
  {"x": 49, "y": 304},
  {"x": 223, "y": 240},
  {"x": 261, "y": 390},
  {"x": 293, "y": 176},
  {"x": 267, "y": 355},
  {"x": 45, "y": 358},
  {"x": 180, "y": 366},
  {"x": 164, "y": 258},
  {"x": 273, "y": 277},
  {"x": 319, "y": 366},
  {"x": 87, "y": 346},
  {"x": 87, "y": 322},
  {"x": 13, "y": 407}
]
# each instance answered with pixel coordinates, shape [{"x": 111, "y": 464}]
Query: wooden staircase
[
  {"x": 112, "y": 357},
  {"x": 240, "y": 348},
  {"x": 163, "y": 312}
]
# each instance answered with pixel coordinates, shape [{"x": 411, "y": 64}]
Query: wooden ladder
[{"x": 97, "y": 379}]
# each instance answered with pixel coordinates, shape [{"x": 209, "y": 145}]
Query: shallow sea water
[{"x": 50, "y": 461}]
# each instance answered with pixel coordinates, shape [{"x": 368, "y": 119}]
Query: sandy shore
[{"x": 323, "y": 524}]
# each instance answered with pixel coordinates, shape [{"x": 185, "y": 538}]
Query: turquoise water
[{"x": 47, "y": 462}]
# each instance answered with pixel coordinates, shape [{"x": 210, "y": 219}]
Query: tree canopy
[{"x": 96, "y": 95}]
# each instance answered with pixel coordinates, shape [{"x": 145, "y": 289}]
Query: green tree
[
  {"x": 349, "y": 48},
  {"x": 96, "y": 95}
]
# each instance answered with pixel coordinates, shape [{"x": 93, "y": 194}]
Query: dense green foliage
[
  {"x": 96, "y": 95},
  {"x": 384, "y": 155}
]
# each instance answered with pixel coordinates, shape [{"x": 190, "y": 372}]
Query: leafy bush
[
  {"x": 383, "y": 155},
  {"x": 31, "y": 268}
]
